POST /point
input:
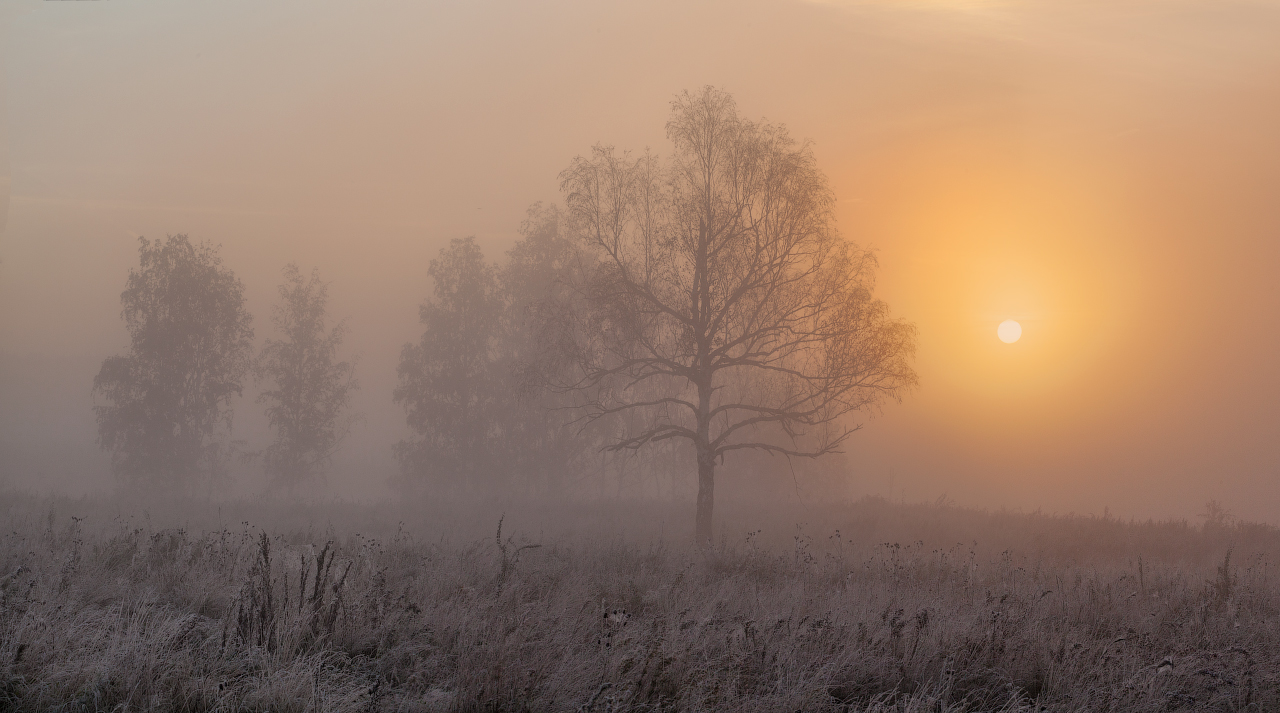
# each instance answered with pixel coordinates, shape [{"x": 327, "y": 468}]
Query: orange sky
[{"x": 1107, "y": 173}]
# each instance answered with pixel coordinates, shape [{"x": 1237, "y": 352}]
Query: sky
[{"x": 1106, "y": 173}]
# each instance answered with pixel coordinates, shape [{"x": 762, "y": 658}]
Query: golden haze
[{"x": 1104, "y": 173}]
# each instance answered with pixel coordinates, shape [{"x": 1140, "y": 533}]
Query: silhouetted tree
[
  {"x": 725, "y": 309},
  {"x": 545, "y": 452},
  {"x": 312, "y": 388},
  {"x": 451, "y": 382},
  {"x": 538, "y": 343},
  {"x": 167, "y": 410},
  {"x": 473, "y": 385}
]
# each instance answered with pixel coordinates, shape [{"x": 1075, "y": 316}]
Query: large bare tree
[{"x": 724, "y": 307}]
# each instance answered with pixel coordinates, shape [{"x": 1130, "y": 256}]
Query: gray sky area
[{"x": 1107, "y": 173}]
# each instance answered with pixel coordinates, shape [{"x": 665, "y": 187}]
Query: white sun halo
[{"x": 1009, "y": 331}]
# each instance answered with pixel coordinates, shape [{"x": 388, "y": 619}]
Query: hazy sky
[{"x": 1107, "y": 173}]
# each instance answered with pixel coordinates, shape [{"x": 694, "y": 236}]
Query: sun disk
[{"x": 1009, "y": 331}]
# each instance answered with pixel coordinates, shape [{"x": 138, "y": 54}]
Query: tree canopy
[
  {"x": 166, "y": 412},
  {"x": 473, "y": 385},
  {"x": 311, "y": 388},
  {"x": 451, "y": 381}
]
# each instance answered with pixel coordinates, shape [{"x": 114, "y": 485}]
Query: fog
[{"x": 1105, "y": 173}]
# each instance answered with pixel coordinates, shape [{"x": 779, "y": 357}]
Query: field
[{"x": 870, "y": 606}]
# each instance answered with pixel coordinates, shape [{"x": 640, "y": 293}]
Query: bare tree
[
  {"x": 167, "y": 412},
  {"x": 312, "y": 389},
  {"x": 725, "y": 308}
]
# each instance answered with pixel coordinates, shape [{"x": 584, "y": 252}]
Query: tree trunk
[
  {"x": 706, "y": 496},
  {"x": 702, "y": 445}
]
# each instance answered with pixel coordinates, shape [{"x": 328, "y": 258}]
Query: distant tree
[
  {"x": 312, "y": 391},
  {"x": 534, "y": 346},
  {"x": 452, "y": 382},
  {"x": 1216, "y": 515},
  {"x": 539, "y": 275},
  {"x": 167, "y": 414},
  {"x": 472, "y": 386},
  {"x": 725, "y": 309}
]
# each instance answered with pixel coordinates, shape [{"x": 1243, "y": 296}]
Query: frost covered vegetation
[{"x": 902, "y": 608}]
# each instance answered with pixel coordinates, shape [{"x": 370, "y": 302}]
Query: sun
[{"x": 1009, "y": 331}]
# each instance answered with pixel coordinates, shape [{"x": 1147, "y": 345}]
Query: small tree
[
  {"x": 312, "y": 389},
  {"x": 725, "y": 309},
  {"x": 167, "y": 413}
]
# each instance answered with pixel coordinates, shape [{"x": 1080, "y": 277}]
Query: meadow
[{"x": 866, "y": 606}]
